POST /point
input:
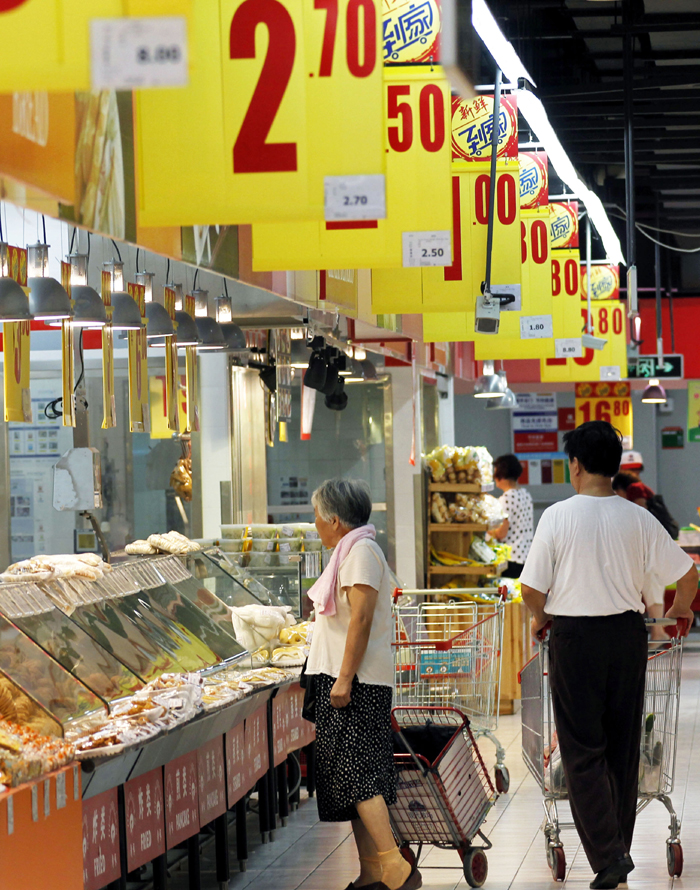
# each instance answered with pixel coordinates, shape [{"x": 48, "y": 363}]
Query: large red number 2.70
[{"x": 252, "y": 153}]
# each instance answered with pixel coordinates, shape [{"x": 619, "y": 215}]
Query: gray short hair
[{"x": 348, "y": 499}]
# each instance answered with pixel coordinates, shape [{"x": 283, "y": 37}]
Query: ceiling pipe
[{"x": 628, "y": 66}]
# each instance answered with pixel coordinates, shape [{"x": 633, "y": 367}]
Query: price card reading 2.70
[
  {"x": 534, "y": 327},
  {"x": 355, "y": 197},
  {"x": 427, "y": 248}
]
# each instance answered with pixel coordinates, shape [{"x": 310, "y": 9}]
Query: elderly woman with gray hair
[{"x": 352, "y": 662}]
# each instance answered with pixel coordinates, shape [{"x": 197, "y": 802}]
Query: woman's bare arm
[{"x": 363, "y": 601}]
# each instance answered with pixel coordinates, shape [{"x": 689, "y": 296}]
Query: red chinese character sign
[
  {"x": 472, "y": 126},
  {"x": 101, "y": 859},
  {"x": 534, "y": 179},
  {"x": 236, "y": 773},
  {"x": 411, "y": 31},
  {"x": 256, "y": 745},
  {"x": 145, "y": 818},
  {"x": 212, "y": 785},
  {"x": 181, "y": 799},
  {"x": 564, "y": 225},
  {"x": 605, "y": 282}
]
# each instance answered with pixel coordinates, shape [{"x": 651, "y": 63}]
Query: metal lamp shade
[
  {"x": 126, "y": 315},
  {"x": 654, "y": 393},
  {"x": 234, "y": 336},
  {"x": 48, "y": 300},
  {"x": 159, "y": 322},
  {"x": 508, "y": 401},
  {"x": 490, "y": 385},
  {"x": 210, "y": 333},
  {"x": 186, "y": 333},
  {"x": 14, "y": 305},
  {"x": 88, "y": 308}
]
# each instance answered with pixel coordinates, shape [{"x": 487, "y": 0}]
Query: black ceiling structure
[{"x": 574, "y": 49}]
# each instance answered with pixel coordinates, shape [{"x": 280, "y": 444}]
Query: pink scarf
[{"x": 322, "y": 594}]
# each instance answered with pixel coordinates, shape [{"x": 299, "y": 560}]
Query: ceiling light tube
[{"x": 500, "y": 48}]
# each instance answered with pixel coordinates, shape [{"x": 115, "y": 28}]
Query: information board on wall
[{"x": 610, "y": 402}]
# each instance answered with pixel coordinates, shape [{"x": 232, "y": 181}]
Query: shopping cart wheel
[
  {"x": 408, "y": 855},
  {"x": 502, "y": 777},
  {"x": 674, "y": 859},
  {"x": 476, "y": 866},
  {"x": 557, "y": 862}
]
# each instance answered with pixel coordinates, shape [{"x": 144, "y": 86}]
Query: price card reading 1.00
[
  {"x": 570, "y": 347},
  {"x": 427, "y": 249},
  {"x": 131, "y": 53},
  {"x": 355, "y": 197},
  {"x": 533, "y": 327}
]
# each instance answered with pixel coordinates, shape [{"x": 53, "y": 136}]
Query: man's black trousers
[{"x": 597, "y": 668}]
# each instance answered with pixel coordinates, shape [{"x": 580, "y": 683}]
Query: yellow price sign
[
  {"x": 418, "y": 189},
  {"x": 139, "y": 418},
  {"x": 284, "y": 94},
  {"x": 16, "y": 370},
  {"x": 608, "y": 323},
  {"x": 109, "y": 406},
  {"x": 46, "y": 44},
  {"x": 606, "y": 401}
]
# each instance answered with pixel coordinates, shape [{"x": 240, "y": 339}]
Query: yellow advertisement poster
[
  {"x": 46, "y": 43},
  {"x": 611, "y": 402},
  {"x": 109, "y": 407},
  {"x": 605, "y": 365},
  {"x": 18, "y": 399},
  {"x": 160, "y": 427},
  {"x": 418, "y": 184},
  {"x": 67, "y": 357},
  {"x": 192, "y": 415},
  {"x": 300, "y": 87},
  {"x": 171, "y": 378},
  {"x": 139, "y": 418}
]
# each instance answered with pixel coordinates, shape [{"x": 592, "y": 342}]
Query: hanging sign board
[
  {"x": 18, "y": 399},
  {"x": 564, "y": 225},
  {"x": 416, "y": 231},
  {"x": 608, "y": 363},
  {"x": 534, "y": 179},
  {"x": 191, "y": 424},
  {"x": 611, "y": 402},
  {"x": 171, "y": 378},
  {"x": 284, "y": 95},
  {"x": 647, "y": 366},
  {"x": 139, "y": 418},
  {"x": 109, "y": 407},
  {"x": 472, "y": 128},
  {"x": 67, "y": 356},
  {"x": 411, "y": 31},
  {"x": 46, "y": 44},
  {"x": 605, "y": 281}
]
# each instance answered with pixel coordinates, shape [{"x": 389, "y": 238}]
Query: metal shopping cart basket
[
  {"x": 449, "y": 655},
  {"x": 658, "y": 754},
  {"x": 444, "y": 789}
]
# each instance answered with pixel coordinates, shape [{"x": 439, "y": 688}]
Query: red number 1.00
[{"x": 251, "y": 152}]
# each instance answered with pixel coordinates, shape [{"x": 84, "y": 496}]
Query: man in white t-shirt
[{"x": 591, "y": 559}]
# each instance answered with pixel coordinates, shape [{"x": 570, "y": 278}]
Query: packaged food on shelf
[
  {"x": 65, "y": 565},
  {"x": 470, "y": 464},
  {"x": 256, "y": 625},
  {"x": 290, "y": 656},
  {"x": 233, "y": 531},
  {"x": 438, "y": 508},
  {"x": 297, "y": 633},
  {"x": 262, "y": 531},
  {"x": 173, "y": 542},
  {"x": 26, "y": 754}
]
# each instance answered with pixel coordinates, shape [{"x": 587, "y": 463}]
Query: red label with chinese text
[
  {"x": 181, "y": 799},
  {"x": 256, "y": 745},
  {"x": 212, "y": 785},
  {"x": 236, "y": 772},
  {"x": 145, "y": 818},
  {"x": 101, "y": 859}
]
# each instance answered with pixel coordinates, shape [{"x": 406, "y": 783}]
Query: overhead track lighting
[
  {"x": 508, "y": 401},
  {"x": 146, "y": 279},
  {"x": 126, "y": 315},
  {"x": 48, "y": 300},
  {"x": 159, "y": 322},
  {"x": 654, "y": 393},
  {"x": 235, "y": 338},
  {"x": 37, "y": 260},
  {"x": 490, "y": 385},
  {"x": 210, "y": 333},
  {"x": 14, "y": 305},
  {"x": 88, "y": 309},
  {"x": 78, "y": 269}
]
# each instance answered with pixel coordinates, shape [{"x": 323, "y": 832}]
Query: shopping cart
[
  {"x": 444, "y": 789},
  {"x": 658, "y": 752},
  {"x": 449, "y": 655}
]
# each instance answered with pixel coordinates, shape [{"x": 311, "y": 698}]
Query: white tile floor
[{"x": 309, "y": 855}]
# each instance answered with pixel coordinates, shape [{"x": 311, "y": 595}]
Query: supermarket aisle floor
[{"x": 308, "y": 855}]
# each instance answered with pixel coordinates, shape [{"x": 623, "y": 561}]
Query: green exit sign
[{"x": 647, "y": 366}]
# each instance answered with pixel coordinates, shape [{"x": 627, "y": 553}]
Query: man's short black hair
[
  {"x": 622, "y": 481},
  {"x": 507, "y": 466},
  {"x": 597, "y": 445}
]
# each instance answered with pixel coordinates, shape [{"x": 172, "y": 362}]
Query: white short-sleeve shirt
[
  {"x": 596, "y": 556},
  {"x": 365, "y": 564}
]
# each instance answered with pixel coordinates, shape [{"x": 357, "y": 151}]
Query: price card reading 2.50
[
  {"x": 427, "y": 248},
  {"x": 536, "y": 326}
]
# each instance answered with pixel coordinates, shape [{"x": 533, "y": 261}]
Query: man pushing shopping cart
[{"x": 592, "y": 557}]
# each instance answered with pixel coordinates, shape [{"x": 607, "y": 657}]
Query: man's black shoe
[{"x": 611, "y": 875}]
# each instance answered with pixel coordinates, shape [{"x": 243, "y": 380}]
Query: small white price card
[
  {"x": 355, "y": 197},
  {"x": 535, "y": 327},
  {"x": 427, "y": 249},
  {"x": 568, "y": 348},
  {"x": 134, "y": 53},
  {"x": 610, "y": 372}
]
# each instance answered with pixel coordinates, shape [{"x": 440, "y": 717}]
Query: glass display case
[{"x": 275, "y": 585}]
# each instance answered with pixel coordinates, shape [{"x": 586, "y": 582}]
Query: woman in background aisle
[
  {"x": 516, "y": 529},
  {"x": 353, "y": 664}
]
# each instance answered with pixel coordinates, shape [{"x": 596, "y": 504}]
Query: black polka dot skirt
[{"x": 354, "y": 750}]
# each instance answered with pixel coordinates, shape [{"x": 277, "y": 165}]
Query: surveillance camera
[
  {"x": 487, "y": 314},
  {"x": 588, "y": 341}
]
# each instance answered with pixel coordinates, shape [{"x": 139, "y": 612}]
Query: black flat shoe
[{"x": 609, "y": 877}]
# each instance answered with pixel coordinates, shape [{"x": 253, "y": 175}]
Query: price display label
[
  {"x": 609, "y": 401},
  {"x": 427, "y": 249},
  {"x": 608, "y": 321},
  {"x": 570, "y": 347},
  {"x": 355, "y": 197},
  {"x": 133, "y": 53},
  {"x": 534, "y": 327}
]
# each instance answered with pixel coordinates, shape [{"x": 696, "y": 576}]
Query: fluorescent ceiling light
[{"x": 501, "y": 49}]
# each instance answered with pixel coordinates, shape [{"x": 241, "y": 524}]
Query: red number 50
[{"x": 251, "y": 152}]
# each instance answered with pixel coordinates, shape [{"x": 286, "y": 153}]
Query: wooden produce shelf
[
  {"x": 457, "y": 527},
  {"x": 460, "y": 487},
  {"x": 478, "y": 571}
]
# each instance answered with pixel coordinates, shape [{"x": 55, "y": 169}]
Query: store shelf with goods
[
  {"x": 456, "y": 527},
  {"x": 477, "y": 571},
  {"x": 461, "y": 487}
]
